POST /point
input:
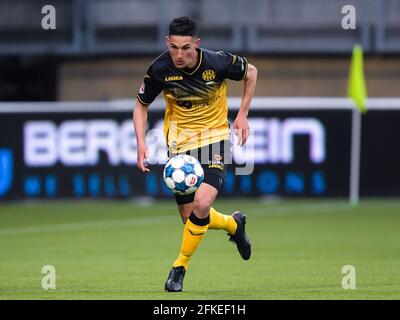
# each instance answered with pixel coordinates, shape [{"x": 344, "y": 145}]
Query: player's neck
[{"x": 195, "y": 61}]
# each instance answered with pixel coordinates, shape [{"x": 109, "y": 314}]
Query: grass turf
[{"x": 124, "y": 250}]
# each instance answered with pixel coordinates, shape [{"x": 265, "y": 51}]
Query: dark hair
[{"x": 183, "y": 26}]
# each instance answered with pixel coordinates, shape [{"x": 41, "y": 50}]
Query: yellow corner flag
[{"x": 356, "y": 86}]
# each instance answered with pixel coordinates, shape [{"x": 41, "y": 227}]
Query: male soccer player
[{"x": 193, "y": 82}]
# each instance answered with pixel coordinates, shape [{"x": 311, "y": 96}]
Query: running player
[{"x": 193, "y": 83}]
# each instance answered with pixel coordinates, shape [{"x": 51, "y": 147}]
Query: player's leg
[
  {"x": 185, "y": 210},
  {"x": 212, "y": 159},
  {"x": 218, "y": 221},
  {"x": 193, "y": 232},
  {"x": 213, "y": 155},
  {"x": 219, "y": 155},
  {"x": 215, "y": 168},
  {"x": 197, "y": 224},
  {"x": 235, "y": 226}
]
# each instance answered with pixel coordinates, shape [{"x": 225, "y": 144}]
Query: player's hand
[
  {"x": 142, "y": 155},
  {"x": 241, "y": 127}
]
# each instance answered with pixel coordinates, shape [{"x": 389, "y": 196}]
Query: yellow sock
[
  {"x": 221, "y": 221},
  {"x": 192, "y": 236}
]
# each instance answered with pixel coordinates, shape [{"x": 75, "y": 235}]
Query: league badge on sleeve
[{"x": 141, "y": 89}]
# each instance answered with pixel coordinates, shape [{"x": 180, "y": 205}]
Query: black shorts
[{"x": 214, "y": 159}]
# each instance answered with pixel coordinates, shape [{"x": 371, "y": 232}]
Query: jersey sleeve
[
  {"x": 150, "y": 88},
  {"x": 235, "y": 67}
]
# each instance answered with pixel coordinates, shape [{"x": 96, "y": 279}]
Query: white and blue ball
[{"x": 183, "y": 174}]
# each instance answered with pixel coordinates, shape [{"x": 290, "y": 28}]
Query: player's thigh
[{"x": 204, "y": 197}]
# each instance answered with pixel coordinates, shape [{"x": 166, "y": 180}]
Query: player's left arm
[{"x": 241, "y": 125}]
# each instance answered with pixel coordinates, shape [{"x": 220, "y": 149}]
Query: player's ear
[
  {"x": 197, "y": 42},
  {"x": 167, "y": 40}
]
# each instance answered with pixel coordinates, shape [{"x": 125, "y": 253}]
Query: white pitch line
[
  {"x": 266, "y": 210},
  {"x": 300, "y": 209},
  {"x": 103, "y": 224}
]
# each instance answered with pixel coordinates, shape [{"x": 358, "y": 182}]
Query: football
[{"x": 183, "y": 174}]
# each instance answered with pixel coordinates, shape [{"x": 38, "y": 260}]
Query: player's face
[{"x": 183, "y": 50}]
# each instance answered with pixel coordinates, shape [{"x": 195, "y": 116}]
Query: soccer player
[{"x": 193, "y": 82}]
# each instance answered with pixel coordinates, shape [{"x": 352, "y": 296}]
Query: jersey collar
[{"x": 198, "y": 65}]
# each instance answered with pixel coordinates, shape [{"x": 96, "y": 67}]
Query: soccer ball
[{"x": 183, "y": 174}]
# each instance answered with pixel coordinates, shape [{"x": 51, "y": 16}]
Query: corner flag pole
[{"x": 357, "y": 92}]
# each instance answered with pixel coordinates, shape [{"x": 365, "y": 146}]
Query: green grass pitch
[{"x": 124, "y": 250}]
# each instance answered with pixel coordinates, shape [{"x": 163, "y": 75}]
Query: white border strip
[{"x": 258, "y": 103}]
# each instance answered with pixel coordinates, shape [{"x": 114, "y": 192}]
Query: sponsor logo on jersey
[
  {"x": 208, "y": 75},
  {"x": 173, "y": 78},
  {"x": 217, "y": 157}
]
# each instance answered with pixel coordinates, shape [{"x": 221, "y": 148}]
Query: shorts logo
[
  {"x": 216, "y": 163},
  {"x": 208, "y": 75},
  {"x": 141, "y": 89},
  {"x": 219, "y": 166}
]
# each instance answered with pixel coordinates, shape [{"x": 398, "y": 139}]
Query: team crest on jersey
[
  {"x": 208, "y": 75},
  {"x": 141, "y": 89}
]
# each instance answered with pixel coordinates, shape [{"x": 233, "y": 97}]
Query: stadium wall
[
  {"x": 299, "y": 147},
  {"x": 108, "y": 79}
]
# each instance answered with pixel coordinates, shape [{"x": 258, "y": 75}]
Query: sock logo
[
  {"x": 196, "y": 233},
  {"x": 6, "y": 170}
]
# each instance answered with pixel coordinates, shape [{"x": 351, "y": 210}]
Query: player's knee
[{"x": 202, "y": 207}]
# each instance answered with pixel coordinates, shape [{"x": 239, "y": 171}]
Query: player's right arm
[
  {"x": 148, "y": 91},
  {"x": 139, "y": 123}
]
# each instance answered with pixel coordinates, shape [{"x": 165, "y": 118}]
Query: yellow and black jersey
[{"x": 196, "y": 112}]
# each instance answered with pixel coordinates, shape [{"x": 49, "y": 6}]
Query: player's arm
[
  {"x": 139, "y": 123},
  {"x": 148, "y": 91},
  {"x": 241, "y": 125}
]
